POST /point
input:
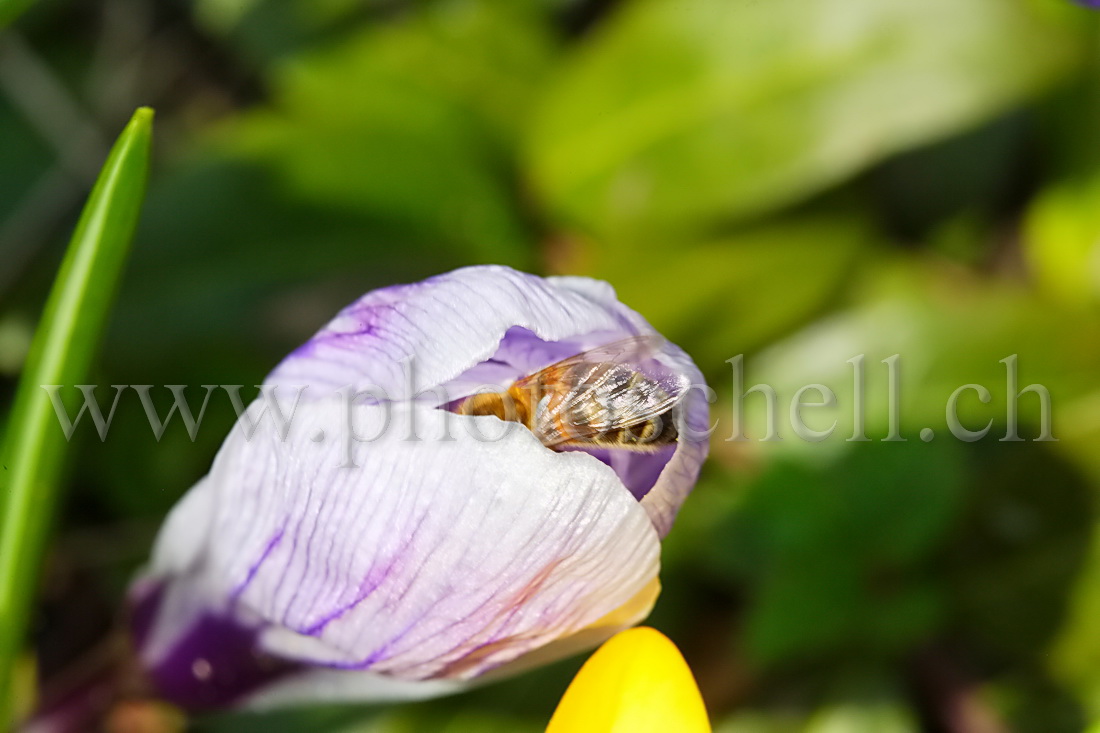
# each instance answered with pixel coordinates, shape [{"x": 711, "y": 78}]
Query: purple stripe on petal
[
  {"x": 369, "y": 585},
  {"x": 268, "y": 549}
]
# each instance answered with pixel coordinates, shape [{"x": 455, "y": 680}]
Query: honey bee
[{"x": 612, "y": 396}]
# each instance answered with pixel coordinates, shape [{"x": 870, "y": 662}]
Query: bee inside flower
[
  {"x": 617, "y": 401},
  {"x": 599, "y": 398}
]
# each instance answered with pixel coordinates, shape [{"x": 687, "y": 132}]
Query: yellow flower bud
[{"x": 636, "y": 682}]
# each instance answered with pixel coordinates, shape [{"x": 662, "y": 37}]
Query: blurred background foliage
[{"x": 799, "y": 181}]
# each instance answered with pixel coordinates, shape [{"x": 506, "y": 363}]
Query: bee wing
[
  {"x": 600, "y": 393},
  {"x": 633, "y": 350}
]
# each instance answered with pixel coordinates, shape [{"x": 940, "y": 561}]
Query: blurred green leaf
[
  {"x": 947, "y": 194},
  {"x": 831, "y": 552},
  {"x": 382, "y": 157},
  {"x": 1015, "y": 556},
  {"x": 1024, "y": 534},
  {"x": 1062, "y": 241},
  {"x": 950, "y": 327},
  {"x": 855, "y": 717},
  {"x": 1069, "y": 121},
  {"x": 426, "y": 110},
  {"x": 855, "y": 703},
  {"x": 1035, "y": 706},
  {"x": 686, "y": 112},
  {"x": 12, "y": 9},
  {"x": 1076, "y": 654},
  {"x": 730, "y": 294},
  {"x": 884, "y": 717},
  {"x": 1021, "y": 542},
  {"x": 61, "y": 354},
  {"x": 15, "y": 343}
]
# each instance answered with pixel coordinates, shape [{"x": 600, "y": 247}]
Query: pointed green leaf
[{"x": 62, "y": 352}]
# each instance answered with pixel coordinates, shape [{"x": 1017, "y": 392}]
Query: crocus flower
[
  {"x": 315, "y": 563},
  {"x": 638, "y": 682}
]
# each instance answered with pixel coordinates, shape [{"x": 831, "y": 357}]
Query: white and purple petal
[
  {"x": 432, "y": 554},
  {"x": 428, "y": 558}
]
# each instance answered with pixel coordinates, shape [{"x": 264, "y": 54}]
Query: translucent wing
[{"x": 610, "y": 387}]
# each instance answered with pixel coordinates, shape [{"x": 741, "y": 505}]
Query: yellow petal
[{"x": 637, "y": 682}]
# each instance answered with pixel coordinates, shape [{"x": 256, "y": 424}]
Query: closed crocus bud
[
  {"x": 392, "y": 540},
  {"x": 638, "y": 682}
]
